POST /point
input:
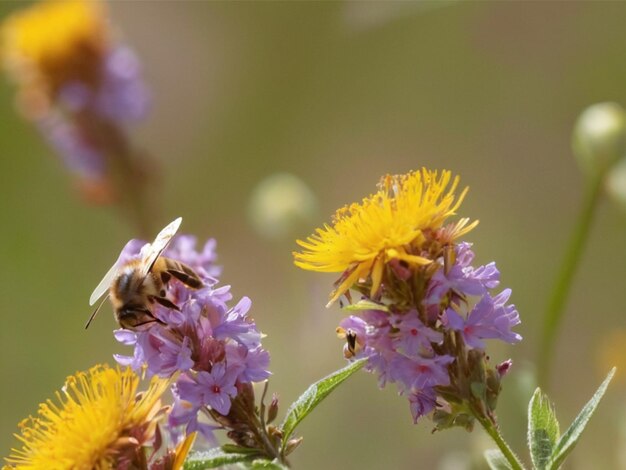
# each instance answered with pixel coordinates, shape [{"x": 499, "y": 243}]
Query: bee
[
  {"x": 135, "y": 286},
  {"x": 353, "y": 344}
]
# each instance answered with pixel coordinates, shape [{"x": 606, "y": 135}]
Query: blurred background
[{"x": 324, "y": 98}]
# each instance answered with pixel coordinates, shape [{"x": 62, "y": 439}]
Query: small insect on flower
[{"x": 135, "y": 285}]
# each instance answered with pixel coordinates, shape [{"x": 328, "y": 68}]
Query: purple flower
[
  {"x": 119, "y": 97},
  {"x": 399, "y": 349},
  {"x": 462, "y": 279},
  {"x": 420, "y": 371},
  {"x": 213, "y": 346},
  {"x": 253, "y": 363},
  {"x": 184, "y": 413},
  {"x": 414, "y": 348},
  {"x": 414, "y": 338},
  {"x": 490, "y": 318},
  {"x": 422, "y": 402},
  {"x": 78, "y": 154},
  {"x": 122, "y": 95},
  {"x": 214, "y": 388}
]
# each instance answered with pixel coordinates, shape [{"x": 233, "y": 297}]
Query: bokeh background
[{"x": 337, "y": 94}]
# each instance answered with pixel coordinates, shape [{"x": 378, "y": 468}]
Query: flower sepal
[{"x": 458, "y": 416}]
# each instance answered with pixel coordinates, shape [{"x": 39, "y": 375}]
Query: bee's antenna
[{"x": 95, "y": 312}]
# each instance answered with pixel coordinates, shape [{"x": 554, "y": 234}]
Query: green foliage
[
  {"x": 266, "y": 464},
  {"x": 543, "y": 429},
  {"x": 217, "y": 457},
  {"x": 496, "y": 460},
  {"x": 570, "y": 438},
  {"x": 314, "y": 395},
  {"x": 365, "y": 304},
  {"x": 300, "y": 409},
  {"x": 548, "y": 449},
  {"x": 213, "y": 458}
]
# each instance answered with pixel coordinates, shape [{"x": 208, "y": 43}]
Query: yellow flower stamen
[
  {"x": 388, "y": 225},
  {"x": 96, "y": 413}
]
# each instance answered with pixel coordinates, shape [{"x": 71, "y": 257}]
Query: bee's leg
[
  {"x": 147, "y": 322},
  {"x": 183, "y": 273},
  {"x": 165, "y": 302},
  {"x": 189, "y": 279},
  {"x": 165, "y": 277}
]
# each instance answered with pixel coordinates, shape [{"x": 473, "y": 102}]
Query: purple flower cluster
[
  {"x": 214, "y": 347},
  {"x": 119, "y": 97},
  {"x": 408, "y": 348}
]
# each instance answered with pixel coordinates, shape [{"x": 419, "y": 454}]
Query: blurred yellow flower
[
  {"x": 55, "y": 41},
  {"x": 612, "y": 353},
  {"x": 391, "y": 224},
  {"x": 97, "y": 421}
]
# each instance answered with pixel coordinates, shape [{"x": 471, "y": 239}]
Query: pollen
[{"x": 395, "y": 224}]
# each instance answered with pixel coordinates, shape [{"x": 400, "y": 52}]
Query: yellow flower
[
  {"x": 97, "y": 421},
  {"x": 397, "y": 223},
  {"x": 56, "y": 41}
]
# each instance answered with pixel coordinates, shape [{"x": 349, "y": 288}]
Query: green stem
[
  {"x": 563, "y": 283},
  {"x": 492, "y": 429}
]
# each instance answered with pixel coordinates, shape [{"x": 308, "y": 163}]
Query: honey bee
[{"x": 135, "y": 286}]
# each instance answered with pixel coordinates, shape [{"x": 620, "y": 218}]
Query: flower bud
[
  {"x": 615, "y": 183},
  {"x": 272, "y": 410},
  {"x": 599, "y": 138},
  {"x": 292, "y": 444},
  {"x": 504, "y": 367}
]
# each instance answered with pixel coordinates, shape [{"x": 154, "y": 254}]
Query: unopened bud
[
  {"x": 599, "y": 138},
  {"x": 615, "y": 183},
  {"x": 272, "y": 410},
  {"x": 292, "y": 444},
  {"x": 504, "y": 367}
]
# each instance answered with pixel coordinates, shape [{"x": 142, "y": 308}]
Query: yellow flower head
[
  {"x": 398, "y": 223},
  {"x": 55, "y": 41},
  {"x": 98, "y": 420}
]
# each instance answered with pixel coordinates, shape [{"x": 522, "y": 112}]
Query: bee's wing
[
  {"x": 151, "y": 252},
  {"x": 104, "y": 285}
]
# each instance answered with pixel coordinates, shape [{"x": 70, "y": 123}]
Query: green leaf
[
  {"x": 570, "y": 438},
  {"x": 543, "y": 429},
  {"x": 314, "y": 395},
  {"x": 496, "y": 460},
  {"x": 267, "y": 464},
  {"x": 212, "y": 459},
  {"x": 365, "y": 305},
  {"x": 237, "y": 449}
]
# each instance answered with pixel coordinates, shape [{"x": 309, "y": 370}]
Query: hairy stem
[
  {"x": 492, "y": 429},
  {"x": 260, "y": 433},
  {"x": 563, "y": 282}
]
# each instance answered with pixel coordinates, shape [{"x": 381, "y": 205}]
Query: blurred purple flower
[
  {"x": 122, "y": 95},
  {"x": 79, "y": 156}
]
